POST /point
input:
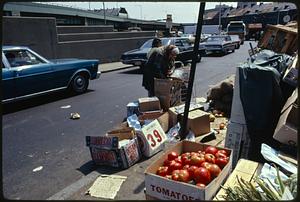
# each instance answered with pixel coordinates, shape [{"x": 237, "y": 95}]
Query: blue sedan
[{"x": 25, "y": 74}]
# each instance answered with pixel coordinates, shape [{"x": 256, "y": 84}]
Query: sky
[{"x": 182, "y": 12}]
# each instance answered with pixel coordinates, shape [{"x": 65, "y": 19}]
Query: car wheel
[
  {"x": 238, "y": 46},
  {"x": 233, "y": 50},
  {"x": 79, "y": 83},
  {"x": 225, "y": 51}
]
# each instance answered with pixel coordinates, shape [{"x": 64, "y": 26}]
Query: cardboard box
[
  {"x": 149, "y": 104},
  {"x": 163, "y": 188},
  {"x": 167, "y": 86},
  {"x": 198, "y": 122},
  {"x": 118, "y": 148},
  {"x": 237, "y": 111},
  {"x": 237, "y": 139},
  {"x": 162, "y": 117},
  {"x": 179, "y": 110},
  {"x": 286, "y": 129},
  {"x": 152, "y": 138},
  {"x": 168, "y": 91}
]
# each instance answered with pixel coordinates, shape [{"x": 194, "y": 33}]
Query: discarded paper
[
  {"x": 37, "y": 169},
  {"x": 106, "y": 186},
  {"x": 75, "y": 116},
  {"x": 65, "y": 107}
]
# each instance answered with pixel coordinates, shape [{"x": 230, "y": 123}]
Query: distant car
[
  {"x": 26, "y": 74},
  {"x": 138, "y": 57},
  {"x": 219, "y": 43},
  {"x": 236, "y": 41}
]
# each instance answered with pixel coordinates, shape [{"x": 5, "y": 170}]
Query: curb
[{"x": 68, "y": 191}]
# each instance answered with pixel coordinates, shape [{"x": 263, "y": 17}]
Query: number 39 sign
[{"x": 154, "y": 137}]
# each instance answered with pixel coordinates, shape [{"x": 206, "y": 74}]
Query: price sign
[{"x": 154, "y": 136}]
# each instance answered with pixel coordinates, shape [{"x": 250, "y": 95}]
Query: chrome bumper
[{"x": 98, "y": 74}]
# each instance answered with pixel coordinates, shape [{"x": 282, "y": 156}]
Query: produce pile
[{"x": 198, "y": 168}]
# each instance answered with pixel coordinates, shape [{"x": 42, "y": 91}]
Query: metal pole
[
  {"x": 183, "y": 128},
  {"x": 104, "y": 13},
  {"x": 220, "y": 10},
  {"x": 278, "y": 17}
]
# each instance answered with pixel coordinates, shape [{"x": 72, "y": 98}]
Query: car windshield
[
  {"x": 148, "y": 44},
  {"x": 235, "y": 29},
  {"x": 21, "y": 57},
  {"x": 215, "y": 39}
]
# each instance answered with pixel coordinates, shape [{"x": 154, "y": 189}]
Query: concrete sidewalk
[{"x": 113, "y": 66}]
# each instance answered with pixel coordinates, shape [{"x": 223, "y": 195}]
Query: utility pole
[
  {"x": 220, "y": 10},
  {"x": 104, "y": 13}
]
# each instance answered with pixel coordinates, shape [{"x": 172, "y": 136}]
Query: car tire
[
  {"x": 79, "y": 83},
  {"x": 233, "y": 50},
  {"x": 225, "y": 51},
  {"x": 238, "y": 46}
]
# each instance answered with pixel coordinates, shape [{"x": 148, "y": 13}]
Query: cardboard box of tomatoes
[{"x": 188, "y": 171}]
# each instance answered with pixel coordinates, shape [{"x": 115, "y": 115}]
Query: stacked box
[
  {"x": 168, "y": 91},
  {"x": 149, "y": 104},
  {"x": 174, "y": 112},
  {"x": 198, "y": 122},
  {"x": 118, "y": 148}
]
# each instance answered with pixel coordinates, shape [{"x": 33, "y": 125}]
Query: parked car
[
  {"x": 25, "y": 74},
  {"x": 138, "y": 57},
  {"x": 219, "y": 43},
  {"x": 236, "y": 41}
]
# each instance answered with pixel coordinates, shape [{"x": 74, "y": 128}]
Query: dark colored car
[
  {"x": 138, "y": 57},
  {"x": 25, "y": 74},
  {"x": 236, "y": 41},
  {"x": 219, "y": 43}
]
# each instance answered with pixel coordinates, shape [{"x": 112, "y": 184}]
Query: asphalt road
[{"x": 39, "y": 132}]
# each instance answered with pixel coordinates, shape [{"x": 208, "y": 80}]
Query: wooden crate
[
  {"x": 280, "y": 39},
  {"x": 246, "y": 169}
]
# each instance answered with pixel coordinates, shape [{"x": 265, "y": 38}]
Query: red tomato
[
  {"x": 184, "y": 176},
  {"x": 185, "y": 154},
  {"x": 221, "y": 154},
  {"x": 186, "y": 159},
  {"x": 210, "y": 158},
  {"x": 221, "y": 162},
  {"x": 191, "y": 170},
  {"x": 175, "y": 175},
  {"x": 202, "y": 175},
  {"x": 178, "y": 159},
  {"x": 211, "y": 150},
  {"x": 162, "y": 171},
  {"x": 186, "y": 167},
  {"x": 173, "y": 155},
  {"x": 223, "y": 151},
  {"x": 197, "y": 160},
  {"x": 167, "y": 162},
  {"x": 175, "y": 165},
  {"x": 201, "y": 185},
  {"x": 214, "y": 170},
  {"x": 206, "y": 165}
]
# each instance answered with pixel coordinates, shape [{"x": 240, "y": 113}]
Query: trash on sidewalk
[
  {"x": 65, "y": 107},
  {"x": 118, "y": 148},
  {"x": 75, "y": 116},
  {"x": 37, "y": 169},
  {"x": 106, "y": 186}
]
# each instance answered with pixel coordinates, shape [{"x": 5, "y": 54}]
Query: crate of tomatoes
[{"x": 188, "y": 171}]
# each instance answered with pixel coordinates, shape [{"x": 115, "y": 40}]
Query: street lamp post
[{"x": 220, "y": 18}]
